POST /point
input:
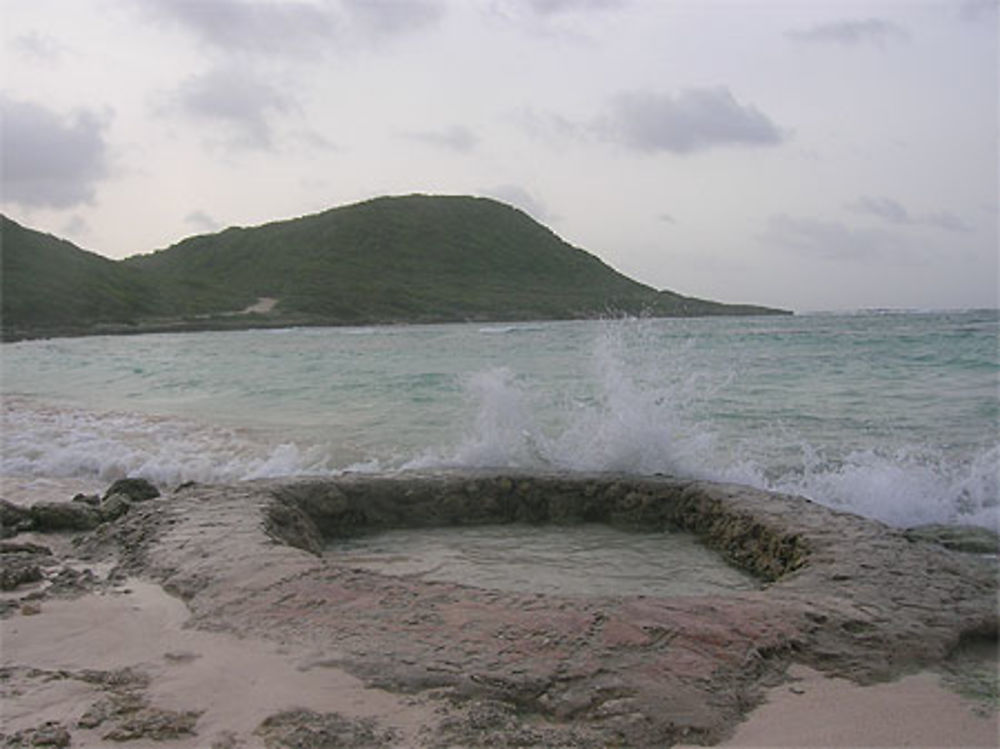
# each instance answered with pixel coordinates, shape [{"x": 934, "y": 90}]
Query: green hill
[
  {"x": 49, "y": 283},
  {"x": 402, "y": 259}
]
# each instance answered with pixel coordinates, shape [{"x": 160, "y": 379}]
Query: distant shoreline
[
  {"x": 409, "y": 259},
  {"x": 258, "y": 321}
]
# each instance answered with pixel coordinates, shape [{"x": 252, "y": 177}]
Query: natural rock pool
[{"x": 589, "y": 559}]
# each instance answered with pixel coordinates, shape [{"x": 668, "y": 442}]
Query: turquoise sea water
[{"x": 891, "y": 415}]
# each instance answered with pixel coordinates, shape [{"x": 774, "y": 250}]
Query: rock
[
  {"x": 16, "y": 547},
  {"x": 846, "y": 596},
  {"x": 156, "y": 724},
  {"x": 226, "y": 740},
  {"x": 306, "y": 729},
  {"x": 971, "y": 539},
  {"x": 69, "y": 581},
  {"x": 115, "y": 506},
  {"x": 64, "y": 516},
  {"x": 288, "y": 524},
  {"x": 50, "y": 733},
  {"x": 137, "y": 490},
  {"x": 13, "y": 519},
  {"x": 90, "y": 499},
  {"x": 114, "y": 706},
  {"x": 16, "y": 570},
  {"x": 119, "y": 679}
]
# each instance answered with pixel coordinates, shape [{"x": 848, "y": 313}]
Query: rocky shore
[{"x": 434, "y": 664}]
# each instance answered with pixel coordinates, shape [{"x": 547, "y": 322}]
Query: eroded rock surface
[
  {"x": 845, "y": 595},
  {"x": 842, "y": 594}
]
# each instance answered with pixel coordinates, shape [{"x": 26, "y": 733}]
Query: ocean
[{"x": 891, "y": 415}]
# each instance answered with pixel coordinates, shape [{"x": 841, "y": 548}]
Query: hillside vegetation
[{"x": 402, "y": 259}]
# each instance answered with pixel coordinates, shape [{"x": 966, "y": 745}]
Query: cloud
[
  {"x": 694, "y": 120},
  {"x": 549, "y": 7},
  {"x": 236, "y": 100},
  {"x": 51, "y": 160},
  {"x": 389, "y": 17},
  {"x": 519, "y": 198},
  {"x": 889, "y": 210},
  {"x": 293, "y": 28},
  {"x": 977, "y": 10},
  {"x": 829, "y": 240},
  {"x": 946, "y": 221},
  {"x": 548, "y": 126},
  {"x": 313, "y": 140},
  {"x": 261, "y": 28},
  {"x": 38, "y": 48},
  {"x": 869, "y": 30},
  {"x": 884, "y": 208},
  {"x": 201, "y": 221},
  {"x": 76, "y": 226},
  {"x": 456, "y": 138}
]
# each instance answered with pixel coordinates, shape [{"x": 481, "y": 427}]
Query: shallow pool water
[{"x": 580, "y": 560}]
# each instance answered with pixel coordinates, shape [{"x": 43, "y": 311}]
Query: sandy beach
[
  {"x": 232, "y": 682},
  {"x": 914, "y": 711},
  {"x": 201, "y": 630}
]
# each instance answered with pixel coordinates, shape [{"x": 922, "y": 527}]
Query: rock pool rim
[
  {"x": 848, "y": 596},
  {"x": 308, "y": 513}
]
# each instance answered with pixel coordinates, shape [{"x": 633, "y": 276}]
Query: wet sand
[
  {"x": 232, "y": 682},
  {"x": 818, "y": 711}
]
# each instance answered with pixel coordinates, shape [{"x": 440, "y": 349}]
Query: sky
[{"x": 807, "y": 154}]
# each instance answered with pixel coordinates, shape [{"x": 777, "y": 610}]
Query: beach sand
[
  {"x": 233, "y": 682},
  {"x": 915, "y": 711},
  {"x": 236, "y": 682}
]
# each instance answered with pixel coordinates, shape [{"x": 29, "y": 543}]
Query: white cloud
[
  {"x": 201, "y": 221},
  {"x": 389, "y": 17},
  {"x": 293, "y": 28},
  {"x": 851, "y": 32},
  {"x": 550, "y": 127},
  {"x": 519, "y": 198},
  {"x": 285, "y": 28},
  {"x": 890, "y": 210},
  {"x": 38, "y": 48},
  {"x": 236, "y": 100},
  {"x": 694, "y": 120},
  {"x": 947, "y": 221},
  {"x": 829, "y": 240},
  {"x": 50, "y": 160},
  {"x": 76, "y": 226},
  {"x": 546, "y": 7},
  {"x": 977, "y": 10},
  {"x": 457, "y": 138}
]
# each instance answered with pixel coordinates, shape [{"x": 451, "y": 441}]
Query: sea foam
[{"x": 643, "y": 418}]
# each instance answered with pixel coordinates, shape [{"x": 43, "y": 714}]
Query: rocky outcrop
[
  {"x": 133, "y": 489},
  {"x": 305, "y": 729},
  {"x": 114, "y": 506},
  {"x": 842, "y": 594},
  {"x": 63, "y": 516},
  {"x": 13, "y": 519},
  {"x": 971, "y": 539}
]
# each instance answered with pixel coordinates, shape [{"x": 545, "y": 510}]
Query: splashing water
[
  {"x": 894, "y": 417},
  {"x": 648, "y": 417}
]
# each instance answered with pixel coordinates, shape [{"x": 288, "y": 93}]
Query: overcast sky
[{"x": 811, "y": 154}]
